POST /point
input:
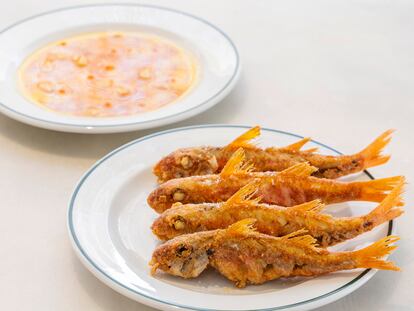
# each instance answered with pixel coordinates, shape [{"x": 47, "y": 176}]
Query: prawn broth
[{"x": 107, "y": 74}]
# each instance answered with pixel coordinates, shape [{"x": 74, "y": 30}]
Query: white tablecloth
[{"x": 339, "y": 71}]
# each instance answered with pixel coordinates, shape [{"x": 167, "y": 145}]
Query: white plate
[
  {"x": 109, "y": 225},
  {"x": 219, "y": 64}
]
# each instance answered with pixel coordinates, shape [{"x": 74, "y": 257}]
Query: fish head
[
  {"x": 186, "y": 162},
  {"x": 179, "y": 219},
  {"x": 185, "y": 256},
  {"x": 184, "y": 190}
]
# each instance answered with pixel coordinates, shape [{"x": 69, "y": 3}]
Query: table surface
[{"x": 339, "y": 71}]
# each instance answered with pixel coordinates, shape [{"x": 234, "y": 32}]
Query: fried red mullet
[
  {"x": 290, "y": 187},
  {"x": 211, "y": 160},
  {"x": 245, "y": 256},
  {"x": 273, "y": 219}
]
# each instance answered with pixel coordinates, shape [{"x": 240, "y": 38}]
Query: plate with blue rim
[{"x": 109, "y": 226}]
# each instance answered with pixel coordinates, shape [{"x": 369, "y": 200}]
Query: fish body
[
  {"x": 273, "y": 219},
  {"x": 211, "y": 160},
  {"x": 245, "y": 256},
  {"x": 290, "y": 187}
]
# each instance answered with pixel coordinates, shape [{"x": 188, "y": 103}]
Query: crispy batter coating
[
  {"x": 272, "y": 219},
  {"x": 290, "y": 187},
  {"x": 245, "y": 256},
  {"x": 211, "y": 160}
]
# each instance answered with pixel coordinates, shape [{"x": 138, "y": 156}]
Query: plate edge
[{"x": 309, "y": 304}]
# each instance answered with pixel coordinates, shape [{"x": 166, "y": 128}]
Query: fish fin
[
  {"x": 371, "y": 155},
  {"x": 244, "y": 194},
  {"x": 236, "y": 164},
  {"x": 242, "y": 227},
  {"x": 388, "y": 209},
  {"x": 244, "y": 139},
  {"x": 297, "y": 145},
  {"x": 369, "y": 257},
  {"x": 300, "y": 169},
  {"x": 311, "y": 150},
  {"x": 376, "y": 190},
  {"x": 312, "y": 206},
  {"x": 302, "y": 237},
  {"x": 294, "y": 234}
]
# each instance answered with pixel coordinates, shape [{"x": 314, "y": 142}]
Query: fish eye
[
  {"x": 186, "y": 162},
  {"x": 178, "y": 222},
  {"x": 213, "y": 163},
  {"x": 183, "y": 250},
  {"x": 178, "y": 195}
]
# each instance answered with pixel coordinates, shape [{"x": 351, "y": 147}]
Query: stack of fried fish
[{"x": 256, "y": 214}]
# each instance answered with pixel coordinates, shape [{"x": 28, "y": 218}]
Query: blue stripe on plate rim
[
  {"x": 229, "y": 82},
  {"x": 114, "y": 152}
]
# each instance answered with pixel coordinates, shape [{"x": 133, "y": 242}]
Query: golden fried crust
[
  {"x": 255, "y": 261},
  {"x": 188, "y": 162},
  {"x": 278, "y": 190},
  {"x": 245, "y": 256},
  {"x": 271, "y": 219},
  {"x": 185, "y": 256},
  {"x": 279, "y": 159},
  {"x": 209, "y": 160}
]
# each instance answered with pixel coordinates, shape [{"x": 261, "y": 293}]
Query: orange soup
[{"x": 107, "y": 74}]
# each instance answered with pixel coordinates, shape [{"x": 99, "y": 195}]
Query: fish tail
[
  {"x": 371, "y": 155},
  {"x": 377, "y": 190},
  {"x": 388, "y": 209},
  {"x": 370, "y": 257}
]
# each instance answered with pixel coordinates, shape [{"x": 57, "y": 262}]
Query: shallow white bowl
[
  {"x": 219, "y": 63},
  {"x": 109, "y": 225}
]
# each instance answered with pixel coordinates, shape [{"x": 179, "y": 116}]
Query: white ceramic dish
[
  {"x": 218, "y": 60},
  {"x": 109, "y": 225}
]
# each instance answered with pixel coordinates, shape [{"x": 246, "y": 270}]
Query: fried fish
[
  {"x": 290, "y": 187},
  {"x": 211, "y": 160},
  {"x": 273, "y": 219},
  {"x": 245, "y": 256}
]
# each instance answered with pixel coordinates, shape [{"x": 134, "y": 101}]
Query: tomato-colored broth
[{"x": 107, "y": 74}]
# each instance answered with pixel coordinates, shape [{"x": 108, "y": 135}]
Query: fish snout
[
  {"x": 161, "y": 228},
  {"x": 164, "y": 169},
  {"x": 159, "y": 200}
]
